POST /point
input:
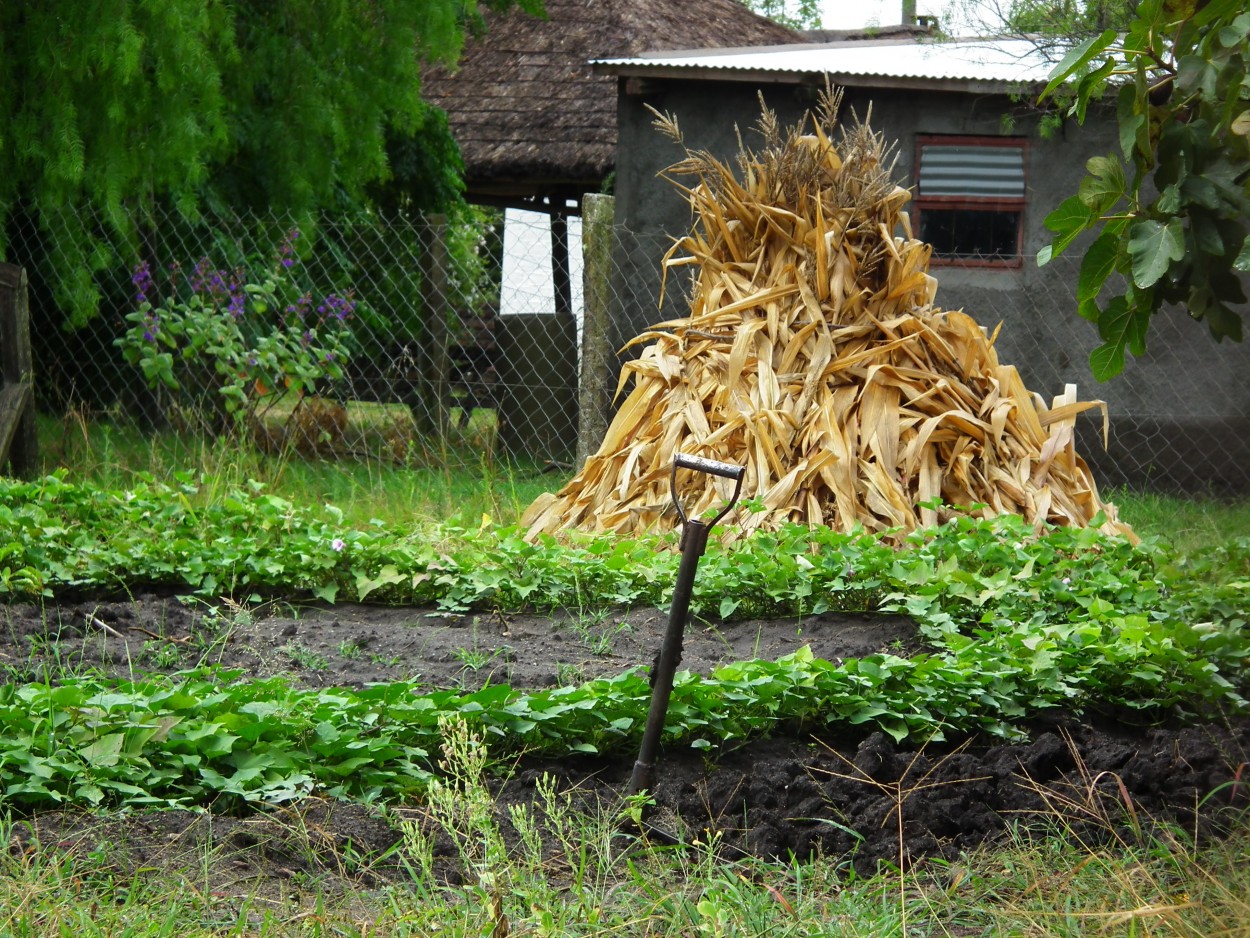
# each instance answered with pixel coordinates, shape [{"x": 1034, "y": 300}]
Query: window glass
[{"x": 970, "y": 232}]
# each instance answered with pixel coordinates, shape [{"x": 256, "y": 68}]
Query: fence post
[
  {"x": 433, "y": 415},
  {"x": 597, "y": 378},
  {"x": 19, "y": 444}
]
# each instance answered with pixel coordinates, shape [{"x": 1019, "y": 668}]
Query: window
[{"x": 970, "y": 198}]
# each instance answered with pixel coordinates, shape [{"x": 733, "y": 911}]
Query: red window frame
[{"x": 974, "y": 203}]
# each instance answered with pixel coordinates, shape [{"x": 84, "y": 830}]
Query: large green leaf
[
  {"x": 1123, "y": 327},
  {"x": 1078, "y": 58},
  {"x": 1068, "y": 221},
  {"x": 1154, "y": 247},
  {"x": 1090, "y": 88},
  {"x": 1195, "y": 73},
  {"x": 1131, "y": 119},
  {"x": 1242, "y": 263},
  {"x": 1105, "y": 185},
  {"x": 1098, "y": 264}
]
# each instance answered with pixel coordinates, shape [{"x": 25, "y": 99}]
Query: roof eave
[{"x": 767, "y": 76}]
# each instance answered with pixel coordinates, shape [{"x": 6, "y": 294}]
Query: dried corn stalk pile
[{"x": 814, "y": 356}]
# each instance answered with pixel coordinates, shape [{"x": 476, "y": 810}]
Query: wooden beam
[{"x": 19, "y": 443}]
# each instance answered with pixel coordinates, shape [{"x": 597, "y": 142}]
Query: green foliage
[
  {"x": 797, "y": 14},
  {"x": 120, "y": 107},
  {"x": 1067, "y": 18},
  {"x": 1014, "y": 623},
  {"x": 1170, "y": 209},
  {"x": 208, "y": 736},
  {"x": 237, "y": 337}
]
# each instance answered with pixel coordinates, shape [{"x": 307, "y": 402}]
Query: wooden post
[
  {"x": 561, "y": 278},
  {"x": 597, "y": 378},
  {"x": 562, "y": 293},
  {"x": 19, "y": 444},
  {"x": 435, "y": 378}
]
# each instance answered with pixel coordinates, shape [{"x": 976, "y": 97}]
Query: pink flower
[{"x": 337, "y": 544}]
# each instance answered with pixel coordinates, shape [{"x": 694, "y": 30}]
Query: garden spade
[{"x": 694, "y": 535}]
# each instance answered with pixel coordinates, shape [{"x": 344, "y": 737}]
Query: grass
[
  {"x": 115, "y": 455},
  {"x": 470, "y": 484},
  {"x": 1185, "y": 524}
]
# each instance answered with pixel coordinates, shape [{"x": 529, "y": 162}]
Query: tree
[
  {"x": 797, "y": 14},
  {"x": 1170, "y": 210},
  {"x": 109, "y": 109},
  {"x": 1046, "y": 21}
]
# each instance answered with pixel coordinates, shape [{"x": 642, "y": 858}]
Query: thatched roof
[{"x": 531, "y": 117}]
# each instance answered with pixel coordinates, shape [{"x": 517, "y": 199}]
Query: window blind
[{"x": 972, "y": 171}]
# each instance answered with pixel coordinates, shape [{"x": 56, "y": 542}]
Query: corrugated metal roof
[{"x": 993, "y": 61}]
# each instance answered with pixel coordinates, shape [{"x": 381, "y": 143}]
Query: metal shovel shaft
[
  {"x": 693, "y": 544},
  {"x": 694, "y": 536}
]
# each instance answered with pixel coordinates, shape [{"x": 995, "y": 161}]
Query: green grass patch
[
  {"x": 403, "y": 485},
  {"x": 1186, "y": 524}
]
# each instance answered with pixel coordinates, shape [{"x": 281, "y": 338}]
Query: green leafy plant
[
  {"x": 225, "y": 341},
  {"x": 1170, "y": 210},
  {"x": 1014, "y": 623},
  {"x": 206, "y": 735}
]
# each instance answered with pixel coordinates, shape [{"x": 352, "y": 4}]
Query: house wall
[{"x": 1179, "y": 413}]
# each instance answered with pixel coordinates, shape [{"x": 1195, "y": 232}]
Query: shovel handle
[{"x": 710, "y": 466}]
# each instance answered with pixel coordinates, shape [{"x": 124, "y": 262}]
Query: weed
[
  {"x": 899, "y": 792},
  {"x": 475, "y": 657},
  {"x": 305, "y": 657},
  {"x": 163, "y": 656},
  {"x": 569, "y": 674},
  {"x": 598, "y": 637}
]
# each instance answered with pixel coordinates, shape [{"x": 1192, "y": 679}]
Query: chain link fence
[{"x": 491, "y": 335}]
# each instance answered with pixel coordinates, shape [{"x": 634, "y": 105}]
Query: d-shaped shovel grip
[{"x": 710, "y": 467}]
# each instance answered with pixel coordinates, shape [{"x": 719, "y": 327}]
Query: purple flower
[
  {"x": 199, "y": 278},
  {"x": 286, "y": 250},
  {"x": 148, "y": 335},
  {"x": 337, "y": 544},
  {"x": 235, "y": 307},
  {"x": 300, "y": 307},
  {"x": 217, "y": 284},
  {"x": 142, "y": 279},
  {"x": 339, "y": 306}
]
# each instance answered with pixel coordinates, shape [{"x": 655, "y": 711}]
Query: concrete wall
[{"x": 1179, "y": 413}]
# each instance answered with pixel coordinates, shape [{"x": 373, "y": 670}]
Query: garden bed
[{"x": 811, "y": 790}]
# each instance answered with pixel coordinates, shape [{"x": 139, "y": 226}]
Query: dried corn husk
[{"x": 814, "y": 356}]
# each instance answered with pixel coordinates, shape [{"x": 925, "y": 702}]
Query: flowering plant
[{"x": 226, "y": 340}]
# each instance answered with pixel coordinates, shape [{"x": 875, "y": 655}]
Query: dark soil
[{"x": 852, "y": 794}]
